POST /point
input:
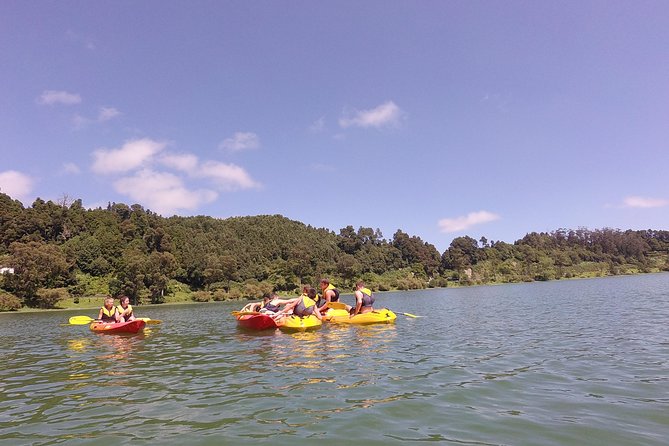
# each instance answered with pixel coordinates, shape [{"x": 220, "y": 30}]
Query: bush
[
  {"x": 49, "y": 297},
  {"x": 220, "y": 295},
  {"x": 201, "y": 296},
  {"x": 9, "y": 302}
]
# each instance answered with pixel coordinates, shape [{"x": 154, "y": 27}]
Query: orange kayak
[{"x": 116, "y": 328}]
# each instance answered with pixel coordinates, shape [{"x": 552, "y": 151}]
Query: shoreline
[{"x": 90, "y": 306}]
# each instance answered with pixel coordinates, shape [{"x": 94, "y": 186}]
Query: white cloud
[
  {"x": 241, "y": 141},
  {"x": 71, "y": 168},
  {"x": 465, "y": 222},
  {"x": 53, "y": 97},
  {"x": 185, "y": 162},
  {"x": 386, "y": 114},
  {"x": 318, "y": 126},
  {"x": 132, "y": 155},
  {"x": 162, "y": 192},
  {"x": 16, "y": 184},
  {"x": 644, "y": 202},
  {"x": 107, "y": 113},
  {"x": 227, "y": 176}
]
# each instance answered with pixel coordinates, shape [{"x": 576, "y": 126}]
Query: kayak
[
  {"x": 256, "y": 321},
  {"x": 297, "y": 323},
  {"x": 116, "y": 328},
  {"x": 380, "y": 316},
  {"x": 332, "y": 312}
]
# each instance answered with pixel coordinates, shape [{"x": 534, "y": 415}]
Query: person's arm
[
  {"x": 117, "y": 316},
  {"x": 327, "y": 296},
  {"x": 358, "y": 302},
  {"x": 100, "y": 315}
]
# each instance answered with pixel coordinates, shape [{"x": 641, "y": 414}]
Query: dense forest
[{"x": 50, "y": 252}]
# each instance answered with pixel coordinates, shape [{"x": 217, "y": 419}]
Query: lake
[{"x": 553, "y": 363}]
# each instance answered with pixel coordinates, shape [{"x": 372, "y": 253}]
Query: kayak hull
[
  {"x": 334, "y": 312},
  {"x": 256, "y": 322},
  {"x": 118, "y": 328},
  {"x": 296, "y": 323},
  {"x": 380, "y": 316}
]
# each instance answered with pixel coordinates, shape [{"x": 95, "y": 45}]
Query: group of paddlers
[{"x": 310, "y": 302}]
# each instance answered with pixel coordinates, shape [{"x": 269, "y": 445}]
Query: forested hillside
[{"x": 62, "y": 250}]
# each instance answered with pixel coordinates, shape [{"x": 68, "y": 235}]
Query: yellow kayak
[
  {"x": 380, "y": 316},
  {"x": 332, "y": 312},
  {"x": 296, "y": 323}
]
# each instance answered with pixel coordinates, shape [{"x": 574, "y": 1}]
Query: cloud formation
[
  {"x": 132, "y": 155},
  {"x": 465, "y": 222},
  {"x": 53, "y": 97},
  {"x": 71, "y": 168},
  {"x": 16, "y": 184},
  {"x": 385, "y": 115},
  {"x": 644, "y": 202},
  {"x": 241, "y": 141},
  {"x": 162, "y": 192},
  {"x": 142, "y": 163},
  {"x": 107, "y": 113}
]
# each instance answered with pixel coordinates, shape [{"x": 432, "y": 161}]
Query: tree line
[{"x": 60, "y": 250}]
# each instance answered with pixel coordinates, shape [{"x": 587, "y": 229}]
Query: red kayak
[
  {"x": 116, "y": 328},
  {"x": 256, "y": 321}
]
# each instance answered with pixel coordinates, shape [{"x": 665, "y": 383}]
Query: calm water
[{"x": 558, "y": 363}]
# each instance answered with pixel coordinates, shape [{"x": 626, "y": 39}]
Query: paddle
[
  {"x": 83, "y": 320},
  {"x": 337, "y": 305},
  {"x": 342, "y": 306},
  {"x": 244, "y": 313}
]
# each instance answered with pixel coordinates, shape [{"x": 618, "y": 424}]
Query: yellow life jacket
[
  {"x": 308, "y": 301},
  {"x": 366, "y": 291},
  {"x": 108, "y": 315},
  {"x": 126, "y": 311}
]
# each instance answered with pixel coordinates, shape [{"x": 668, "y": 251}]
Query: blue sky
[{"x": 440, "y": 118}]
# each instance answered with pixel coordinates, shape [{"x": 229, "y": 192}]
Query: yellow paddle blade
[
  {"x": 243, "y": 313},
  {"x": 150, "y": 321},
  {"x": 80, "y": 320},
  {"x": 410, "y": 315},
  {"x": 337, "y": 305}
]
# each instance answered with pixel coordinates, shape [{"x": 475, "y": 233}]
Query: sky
[{"x": 438, "y": 118}]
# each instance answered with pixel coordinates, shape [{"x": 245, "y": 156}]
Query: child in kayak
[
  {"x": 125, "y": 309},
  {"x": 329, "y": 293},
  {"x": 305, "y": 305},
  {"x": 363, "y": 299},
  {"x": 108, "y": 312}
]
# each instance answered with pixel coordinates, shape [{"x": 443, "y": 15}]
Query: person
[
  {"x": 272, "y": 303},
  {"x": 329, "y": 293},
  {"x": 305, "y": 305},
  {"x": 108, "y": 312},
  {"x": 364, "y": 299},
  {"x": 125, "y": 309}
]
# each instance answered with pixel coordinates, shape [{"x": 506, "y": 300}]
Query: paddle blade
[
  {"x": 410, "y": 315},
  {"x": 80, "y": 320},
  {"x": 337, "y": 305},
  {"x": 243, "y": 313},
  {"x": 150, "y": 321}
]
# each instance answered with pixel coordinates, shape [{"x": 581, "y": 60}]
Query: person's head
[
  {"x": 266, "y": 298},
  {"x": 305, "y": 289},
  {"x": 359, "y": 285},
  {"x": 311, "y": 292},
  {"x": 109, "y": 302},
  {"x": 324, "y": 283},
  {"x": 124, "y": 300}
]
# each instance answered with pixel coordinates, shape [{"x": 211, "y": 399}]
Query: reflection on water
[{"x": 557, "y": 363}]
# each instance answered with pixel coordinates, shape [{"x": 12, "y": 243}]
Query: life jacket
[
  {"x": 305, "y": 307},
  {"x": 125, "y": 312},
  {"x": 367, "y": 297},
  {"x": 336, "y": 293},
  {"x": 270, "y": 307},
  {"x": 108, "y": 315}
]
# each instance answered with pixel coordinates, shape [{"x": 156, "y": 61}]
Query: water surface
[{"x": 568, "y": 362}]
